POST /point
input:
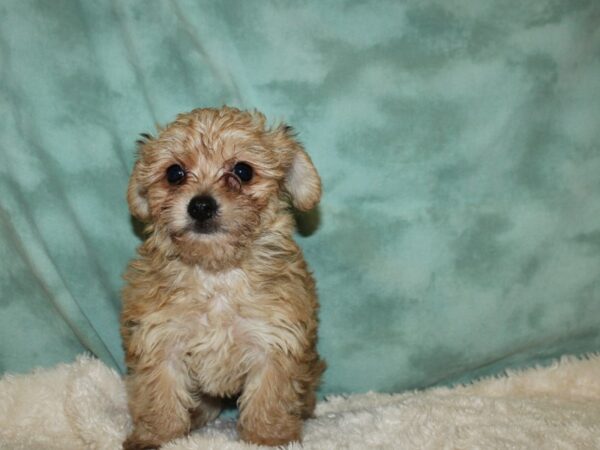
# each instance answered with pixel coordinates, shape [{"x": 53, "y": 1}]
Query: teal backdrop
[{"x": 458, "y": 141}]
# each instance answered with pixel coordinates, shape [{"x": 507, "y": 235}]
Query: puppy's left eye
[{"x": 243, "y": 171}]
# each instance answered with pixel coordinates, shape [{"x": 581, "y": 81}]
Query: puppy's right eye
[{"x": 175, "y": 174}]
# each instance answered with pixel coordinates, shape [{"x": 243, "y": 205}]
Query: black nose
[{"x": 202, "y": 207}]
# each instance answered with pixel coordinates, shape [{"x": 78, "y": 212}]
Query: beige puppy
[{"x": 220, "y": 302}]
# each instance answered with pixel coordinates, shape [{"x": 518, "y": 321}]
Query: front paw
[
  {"x": 134, "y": 443},
  {"x": 285, "y": 430}
]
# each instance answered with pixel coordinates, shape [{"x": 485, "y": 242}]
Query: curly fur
[{"x": 233, "y": 312}]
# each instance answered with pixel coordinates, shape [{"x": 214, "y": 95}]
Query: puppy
[{"x": 219, "y": 302}]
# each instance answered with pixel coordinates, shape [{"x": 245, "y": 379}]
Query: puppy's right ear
[{"x": 137, "y": 195}]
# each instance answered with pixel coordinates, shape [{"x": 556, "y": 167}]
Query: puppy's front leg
[
  {"x": 159, "y": 403},
  {"x": 270, "y": 407}
]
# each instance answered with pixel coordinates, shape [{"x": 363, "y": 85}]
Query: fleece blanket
[{"x": 83, "y": 405}]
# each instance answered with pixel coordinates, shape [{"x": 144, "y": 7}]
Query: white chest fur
[
  {"x": 213, "y": 334},
  {"x": 218, "y": 293},
  {"x": 217, "y": 327}
]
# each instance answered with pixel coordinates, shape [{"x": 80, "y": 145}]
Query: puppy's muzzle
[{"x": 203, "y": 208}]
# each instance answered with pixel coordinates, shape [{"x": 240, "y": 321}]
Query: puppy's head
[{"x": 214, "y": 179}]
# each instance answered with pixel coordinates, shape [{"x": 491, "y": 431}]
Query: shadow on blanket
[{"x": 83, "y": 405}]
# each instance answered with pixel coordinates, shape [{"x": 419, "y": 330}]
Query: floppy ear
[
  {"x": 301, "y": 179},
  {"x": 137, "y": 195}
]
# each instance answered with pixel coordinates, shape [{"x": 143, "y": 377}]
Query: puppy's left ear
[{"x": 301, "y": 180}]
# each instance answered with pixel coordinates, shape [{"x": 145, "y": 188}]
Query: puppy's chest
[
  {"x": 218, "y": 333},
  {"x": 224, "y": 317},
  {"x": 214, "y": 301}
]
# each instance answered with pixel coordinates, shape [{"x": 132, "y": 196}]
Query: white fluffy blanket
[{"x": 82, "y": 405}]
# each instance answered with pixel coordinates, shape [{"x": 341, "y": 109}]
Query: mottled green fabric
[{"x": 458, "y": 142}]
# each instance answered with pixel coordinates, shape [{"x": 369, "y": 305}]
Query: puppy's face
[{"x": 214, "y": 179}]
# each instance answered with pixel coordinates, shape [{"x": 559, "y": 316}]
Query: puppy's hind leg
[
  {"x": 313, "y": 377},
  {"x": 159, "y": 403}
]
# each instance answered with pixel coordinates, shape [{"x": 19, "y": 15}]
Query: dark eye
[
  {"x": 243, "y": 171},
  {"x": 175, "y": 174}
]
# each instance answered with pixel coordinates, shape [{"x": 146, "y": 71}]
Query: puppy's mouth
[
  {"x": 205, "y": 227},
  {"x": 197, "y": 230}
]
